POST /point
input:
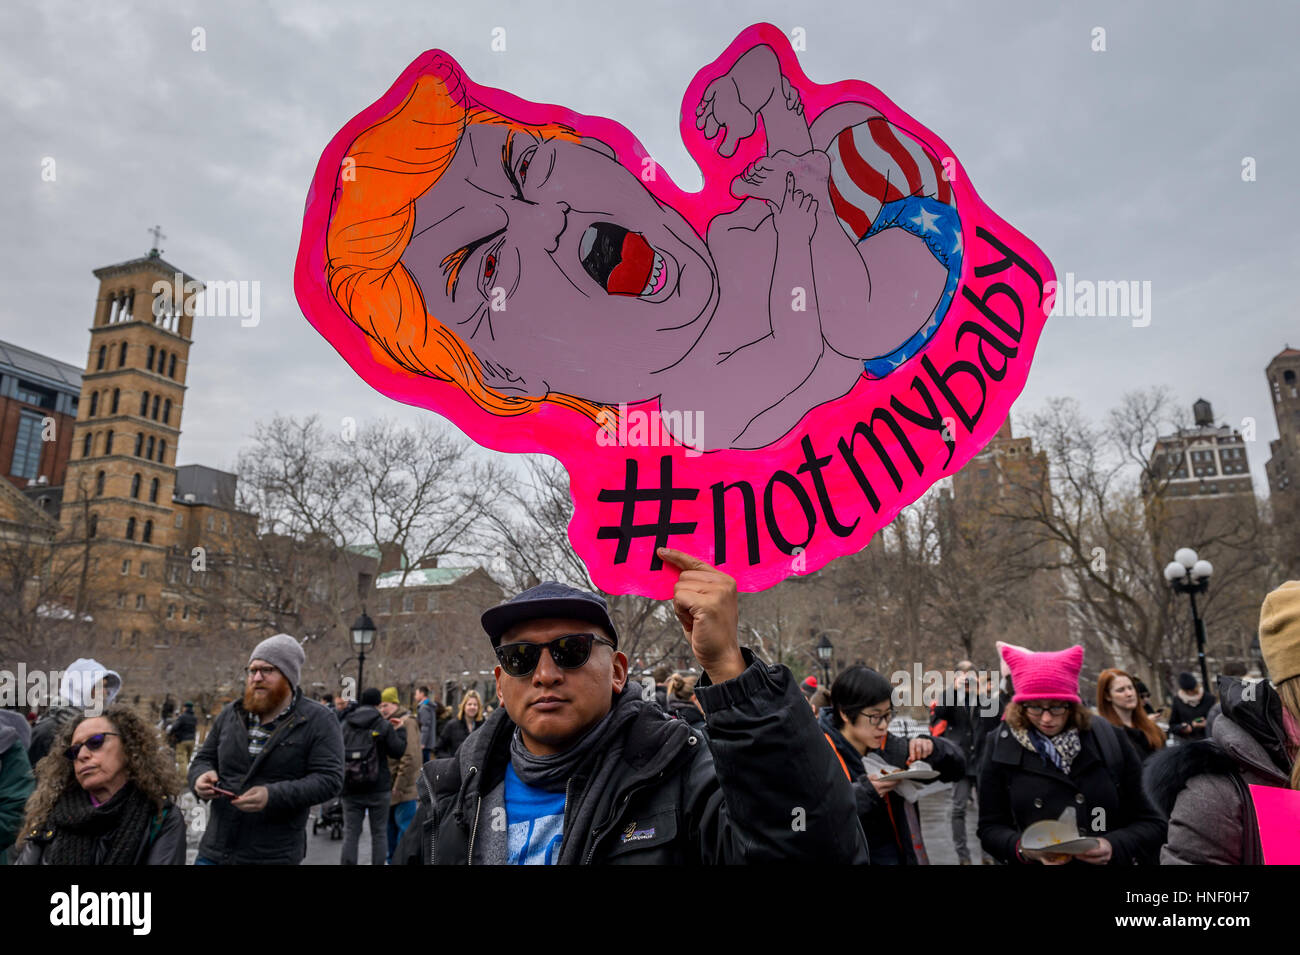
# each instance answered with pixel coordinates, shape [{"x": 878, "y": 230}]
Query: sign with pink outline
[{"x": 762, "y": 373}]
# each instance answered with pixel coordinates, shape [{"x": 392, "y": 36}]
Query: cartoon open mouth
[{"x": 623, "y": 262}]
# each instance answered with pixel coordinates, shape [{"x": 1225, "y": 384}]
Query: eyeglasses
[
  {"x": 1056, "y": 709},
  {"x": 879, "y": 719},
  {"x": 569, "y": 652},
  {"x": 91, "y": 743},
  {"x": 263, "y": 672}
]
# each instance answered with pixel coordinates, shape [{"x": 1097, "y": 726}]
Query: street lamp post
[
  {"x": 363, "y": 635},
  {"x": 1189, "y": 575},
  {"x": 825, "y": 650}
]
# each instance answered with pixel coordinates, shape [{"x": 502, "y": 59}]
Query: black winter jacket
[
  {"x": 183, "y": 729},
  {"x": 962, "y": 730},
  {"x": 884, "y": 819},
  {"x": 300, "y": 765},
  {"x": 384, "y": 735},
  {"x": 688, "y": 712},
  {"x": 763, "y": 786},
  {"x": 1184, "y": 714},
  {"x": 164, "y": 845},
  {"x": 452, "y": 735},
  {"x": 1018, "y": 788}
]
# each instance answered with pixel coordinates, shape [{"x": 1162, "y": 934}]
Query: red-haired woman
[{"x": 1119, "y": 704}]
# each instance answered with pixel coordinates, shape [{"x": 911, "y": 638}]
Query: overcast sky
[{"x": 1121, "y": 165}]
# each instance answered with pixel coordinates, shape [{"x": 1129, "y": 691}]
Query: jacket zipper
[
  {"x": 433, "y": 829},
  {"x": 478, "y": 807}
]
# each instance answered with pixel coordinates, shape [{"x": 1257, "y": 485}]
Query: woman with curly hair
[{"x": 109, "y": 801}]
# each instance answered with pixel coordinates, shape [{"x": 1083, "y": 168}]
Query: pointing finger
[{"x": 682, "y": 560}]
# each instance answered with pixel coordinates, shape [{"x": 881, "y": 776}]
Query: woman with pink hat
[{"x": 1050, "y": 758}]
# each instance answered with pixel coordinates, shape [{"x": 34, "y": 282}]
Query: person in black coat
[
  {"x": 958, "y": 722},
  {"x": 105, "y": 797},
  {"x": 1050, "y": 756},
  {"x": 454, "y": 732},
  {"x": 378, "y": 740},
  {"x": 1189, "y": 711},
  {"x": 857, "y": 723}
]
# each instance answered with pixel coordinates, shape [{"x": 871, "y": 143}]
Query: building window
[
  {"x": 126, "y": 566},
  {"x": 121, "y": 356},
  {"x": 135, "y": 485},
  {"x": 94, "y": 405},
  {"x": 180, "y": 519},
  {"x": 171, "y": 367},
  {"x": 149, "y": 361},
  {"x": 149, "y": 453},
  {"x": 93, "y": 527},
  {"x": 408, "y": 603},
  {"x": 99, "y": 484},
  {"x": 86, "y": 445},
  {"x": 200, "y": 615},
  {"x": 108, "y": 443},
  {"x": 139, "y": 443},
  {"x": 147, "y": 538},
  {"x": 162, "y": 450},
  {"x": 139, "y": 601},
  {"x": 35, "y": 395},
  {"x": 212, "y": 520},
  {"x": 121, "y": 600},
  {"x": 384, "y": 606},
  {"x": 117, "y": 394},
  {"x": 171, "y": 611},
  {"x": 225, "y": 525},
  {"x": 27, "y": 446},
  {"x": 185, "y": 614},
  {"x": 162, "y": 360},
  {"x": 153, "y": 492},
  {"x": 130, "y": 528},
  {"x": 144, "y": 568},
  {"x": 157, "y": 404},
  {"x": 103, "y": 356},
  {"x": 167, "y": 411}
]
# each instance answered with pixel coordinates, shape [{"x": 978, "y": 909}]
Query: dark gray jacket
[
  {"x": 161, "y": 845},
  {"x": 300, "y": 765},
  {"x": 763, "y": 786}
]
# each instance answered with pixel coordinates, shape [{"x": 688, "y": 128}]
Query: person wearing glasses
[
  {"x": 266, "y": 761},
  {"x": 1050, "y": 756},
  {"x": 575, "y": 766},
  {"x": 857, "y": 724},
  {"x": 105, "y": 797}
]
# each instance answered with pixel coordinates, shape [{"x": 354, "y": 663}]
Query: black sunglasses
[
  {"x": 92, "y": 743},
  {"x": 569, "y": 652}
]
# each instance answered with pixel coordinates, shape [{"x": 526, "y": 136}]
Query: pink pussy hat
[{"x": 1052, "y": 675}]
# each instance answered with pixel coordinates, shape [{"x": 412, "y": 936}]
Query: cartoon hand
[
  {"x": 792, "y": 101},
  {"x": 796, "y": 215},
  {"x": 762, "y": 179},
  {"x": 721, "y": 108}
]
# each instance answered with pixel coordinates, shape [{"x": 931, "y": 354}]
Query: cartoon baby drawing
[{"x": 531, "y": 263}]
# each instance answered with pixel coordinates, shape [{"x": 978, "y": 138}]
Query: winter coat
[
  {"x": 183, "y": 729},
  {"x": 890, "y": 840},
  {"x": 1018, "y": 788},
  {"x": 688, "y": 711},
  {"x": 47, "y": 729},
  {"x": 1182, "y": 713},
  {"x": 961, "y": 729},
  {"x": 729, "y": 797},
  {"x": 1200, "y": 785},
  {"x": 452, "y": 736},
  {"x": 405, "y": 769},
  {"x": 1139, "y": 741},
  {"x": 300, "y": 765},
  {"x": 427, "y": 714},
  {"x": 392, "y": 745},
  {"x": 16, "y": 784},
  {"x": 163, "y": 843}
]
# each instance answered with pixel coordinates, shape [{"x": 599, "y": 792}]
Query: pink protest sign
[
  {"x": 1278, "y": 812},
  {"x": 761, "y": 373}
]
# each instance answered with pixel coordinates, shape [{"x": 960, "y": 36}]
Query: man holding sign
[{"x": 575, "y": 767}]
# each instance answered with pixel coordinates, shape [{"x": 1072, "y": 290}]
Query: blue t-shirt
[{"x": 534, "y": 822}]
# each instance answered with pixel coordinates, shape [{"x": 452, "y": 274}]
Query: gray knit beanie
[{"x": 284, "y": 653}]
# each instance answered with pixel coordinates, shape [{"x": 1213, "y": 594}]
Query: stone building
[{"x": 1283, "y": 465}]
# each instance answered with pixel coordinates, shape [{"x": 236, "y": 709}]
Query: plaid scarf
[{"x": 259, "y": 733}]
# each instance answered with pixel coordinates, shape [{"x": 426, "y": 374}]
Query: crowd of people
[{"x": 576, "y": 762}]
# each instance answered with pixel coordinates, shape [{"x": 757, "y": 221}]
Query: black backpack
[{"x": 360, "y": 758}]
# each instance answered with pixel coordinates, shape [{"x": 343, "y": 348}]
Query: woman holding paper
[
  {"x": 1051, "y": 763},
  {"x": 857, "y": 724},
  {"x": 1204, "y": 785}
]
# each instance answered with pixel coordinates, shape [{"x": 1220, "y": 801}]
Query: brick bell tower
[{"x": 117, "y": 502}]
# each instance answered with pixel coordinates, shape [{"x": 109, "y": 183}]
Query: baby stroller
[{"x": 330, "y": 817}]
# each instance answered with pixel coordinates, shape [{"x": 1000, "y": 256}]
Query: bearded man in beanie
[
  {"x": 267, "y": 760},
  {"x": 576, "y": 766}
]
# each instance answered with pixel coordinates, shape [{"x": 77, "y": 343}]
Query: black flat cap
[{"x": 548, "y": 599}]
